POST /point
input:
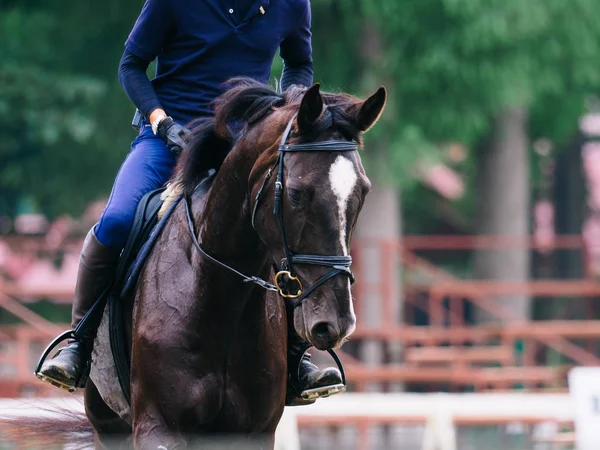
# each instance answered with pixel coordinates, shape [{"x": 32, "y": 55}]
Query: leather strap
[{"x": 256, "y": 280}]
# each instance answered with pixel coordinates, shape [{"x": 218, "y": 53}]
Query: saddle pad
[
  {"x": 110, "y": 356},
  {"x": 111, "y": 359},
  {"x": 118, "y": 335}
]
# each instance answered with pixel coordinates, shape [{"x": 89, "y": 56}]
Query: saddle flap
[{"x": 144, "y": 221}]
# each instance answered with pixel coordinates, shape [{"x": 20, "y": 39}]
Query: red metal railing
[{"x": 448, "y": 351}]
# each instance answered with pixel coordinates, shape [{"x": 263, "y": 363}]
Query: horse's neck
[{"x": 225, "y": 231}]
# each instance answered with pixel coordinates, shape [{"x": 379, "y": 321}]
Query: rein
[
  {"x": 340, "y": 265},
  {"x": 256, "y": 280}
]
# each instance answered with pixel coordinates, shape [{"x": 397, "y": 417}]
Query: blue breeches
[{"x": 148, "y": 166}]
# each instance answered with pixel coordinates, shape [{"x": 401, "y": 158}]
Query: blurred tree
[
  {"x": 38, "y": 105},
  {"x": 347, "y": 51},
  {"x": 41, "y": 108},
  {"x": 64, "y": 114},
  {"x": 476, "y": 71}
]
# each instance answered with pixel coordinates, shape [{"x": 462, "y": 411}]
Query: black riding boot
[
  {"x": 306, "y": 382},
  {"x": 97, "y": 265}
]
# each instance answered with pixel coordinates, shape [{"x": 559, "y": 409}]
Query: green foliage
[
  {"x": 64, "y": 115},
  {"x": 455, "y": 63},
  {"x": 452, "y": 65},
  {"x": 39, "y": 106},
  {"x": 449, "y": 66}
]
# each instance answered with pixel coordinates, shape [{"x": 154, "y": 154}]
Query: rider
[{"x": 198, "y": 46}]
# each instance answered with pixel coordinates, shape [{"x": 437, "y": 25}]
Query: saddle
[
  {"x": 142, "y": 237},
  {"x": 146, "y": 218}
]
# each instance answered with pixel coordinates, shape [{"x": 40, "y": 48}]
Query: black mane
[
  {"x": 246, "y": 104},
  {"x": 206, "y": 150}
]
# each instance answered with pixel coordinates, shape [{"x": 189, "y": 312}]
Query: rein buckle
[{"x": 282, "y": 279}]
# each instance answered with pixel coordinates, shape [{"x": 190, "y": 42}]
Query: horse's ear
[
  {"x": 310, "y": 108},
  {"x": 370, "y": 110}
]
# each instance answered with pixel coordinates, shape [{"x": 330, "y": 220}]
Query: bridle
[
  {"x": 340, "y": 265},
  {"x": 286, "y": 274}
]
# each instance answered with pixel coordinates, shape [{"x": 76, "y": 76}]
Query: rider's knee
[{"x": 113, "y": 227}]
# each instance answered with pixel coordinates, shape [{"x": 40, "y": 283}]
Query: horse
[{"x": 208, "y": 335}]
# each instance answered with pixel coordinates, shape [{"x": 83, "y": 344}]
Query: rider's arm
[
  {"x": 137, "y": 86},
  {"x": 145, "y": 42},
  {"x": 296, "y": 52}
]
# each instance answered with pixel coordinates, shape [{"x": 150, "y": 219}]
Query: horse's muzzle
[{"x": 325, "y": 335}]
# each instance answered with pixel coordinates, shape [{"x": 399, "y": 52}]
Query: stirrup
[
  {"x": 70, "y": 334},
  {"x": 79, "y": 384},
  {"x": 323, "y": 392},
  {"x": 311, "y": 395},
  {"x": 56, "y": 383}
]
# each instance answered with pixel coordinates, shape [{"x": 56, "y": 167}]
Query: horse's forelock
[
  {"x": 336, "y": 117},
  {"x": 251, "y": 102}
]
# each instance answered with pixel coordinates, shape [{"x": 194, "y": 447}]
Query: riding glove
[{"x": 173, "y": 134}]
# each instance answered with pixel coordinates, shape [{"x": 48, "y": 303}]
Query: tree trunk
[
  {"x": 379, "y": 224},
  {"x": 570, "y": 197},
  {"x": 380, "y": 273},
  {"x": 502, "y": 206}
]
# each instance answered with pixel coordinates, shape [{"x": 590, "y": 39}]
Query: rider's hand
[{"x": 173, "y": 134}]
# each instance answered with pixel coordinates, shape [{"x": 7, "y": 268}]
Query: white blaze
[{"x": 342, "y": 177}]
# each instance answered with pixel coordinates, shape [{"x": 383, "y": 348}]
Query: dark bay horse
[{"x": 208, "y": 347}]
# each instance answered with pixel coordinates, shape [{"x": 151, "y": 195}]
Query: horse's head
[{"x": 309, "y": 204}]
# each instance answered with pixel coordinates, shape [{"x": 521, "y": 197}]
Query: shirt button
[{"x": 231, "y": 11}]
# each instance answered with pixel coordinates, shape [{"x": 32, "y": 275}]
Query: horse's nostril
[{"x": 325, "y": 330}]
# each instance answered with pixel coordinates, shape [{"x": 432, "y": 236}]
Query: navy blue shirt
[{"x": 201, "y": 44}]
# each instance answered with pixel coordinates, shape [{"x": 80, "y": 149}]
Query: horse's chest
[
  {"x": 255, "y": 382},
  {"x": 251, "y": 406}
]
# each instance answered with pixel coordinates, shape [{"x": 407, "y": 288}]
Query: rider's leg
[
  {"x": 148, "y": 166},
  {"x": 304, "y": 377},
  {"x": 96, "y": 269}
]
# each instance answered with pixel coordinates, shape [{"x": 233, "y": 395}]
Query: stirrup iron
[
  {"x": 70, "y": 334},
  {"x": 322, "y": 392},
  {"x": 325, "y": 391}
]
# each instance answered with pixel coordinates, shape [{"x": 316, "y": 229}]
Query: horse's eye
[{"x": 295, "y": 196}]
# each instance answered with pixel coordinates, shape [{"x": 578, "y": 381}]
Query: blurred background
[{"x": 477, "y": 256}]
